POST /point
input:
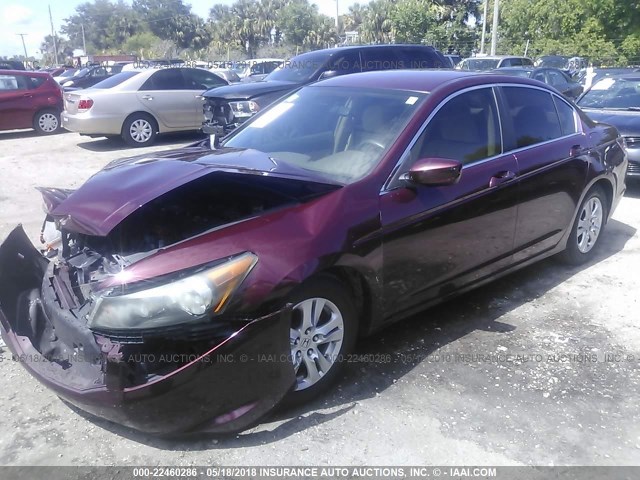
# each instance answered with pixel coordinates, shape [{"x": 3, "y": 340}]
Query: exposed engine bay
[{"x": 210, "y": 202}]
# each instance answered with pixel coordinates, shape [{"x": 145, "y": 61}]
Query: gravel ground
[{"x": 540, "y": 368}]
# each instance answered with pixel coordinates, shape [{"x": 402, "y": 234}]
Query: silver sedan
[{"x": 138, "y": 105}]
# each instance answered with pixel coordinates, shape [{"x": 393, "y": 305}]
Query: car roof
[
  {"x": 332, "y": 51},
  {"x": 31, "y": 73},
  {"x": 416, "y": 80}
]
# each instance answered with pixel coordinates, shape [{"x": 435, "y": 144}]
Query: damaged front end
[{"x": 188, "y": 368}]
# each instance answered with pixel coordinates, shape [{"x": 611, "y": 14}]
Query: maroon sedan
[
  {"x": 29, "y": 100},
  {"x": 195, "y": 289}
]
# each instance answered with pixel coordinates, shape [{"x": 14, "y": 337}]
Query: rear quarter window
[{"x": 567, "y": 117}]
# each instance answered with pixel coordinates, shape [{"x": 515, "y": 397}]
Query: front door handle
[
  {"x": 575, "y": 150},
  {"x": 147, "y": 97},
  {"x": 500, "y": 178}
]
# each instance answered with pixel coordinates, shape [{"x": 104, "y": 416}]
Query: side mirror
[
  {"x": 328, "y": 74},
  {"x": 434, "y": 172}
]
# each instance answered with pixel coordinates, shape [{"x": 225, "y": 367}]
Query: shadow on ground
[
  {"x": 18, "y": 134},
  {"x": 423, "y": 333},
  {"x": 111, "y": 145}
]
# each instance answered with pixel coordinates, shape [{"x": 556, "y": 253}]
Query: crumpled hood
[
  {"x": 125, "y": 185},
  {"x": 627, "y": 123},
  {"x": 245, "y": 91}
]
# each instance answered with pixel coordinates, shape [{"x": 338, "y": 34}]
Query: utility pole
[
  {"x": 337, "y": 18},
  {"x": 84, "y": 43},
  {"x": 494, "y": 30},
  {"x": 53, "y": 35},
  {"x": 22, "y": 35},
  {"x": 484, "y": 25}
]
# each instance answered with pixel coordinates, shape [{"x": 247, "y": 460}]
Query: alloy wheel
[
  {"x": 589, "y": 224},
  {"x": 317, "y": 332}
]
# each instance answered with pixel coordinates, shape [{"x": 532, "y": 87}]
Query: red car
[
  {"x": 194, "y": 289},
  {"x": 29, "y": 100}
]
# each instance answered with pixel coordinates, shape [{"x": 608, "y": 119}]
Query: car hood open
[{"x": 124, "y": 186}]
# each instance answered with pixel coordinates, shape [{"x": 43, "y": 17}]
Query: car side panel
[{"x": 552, "y": 178}]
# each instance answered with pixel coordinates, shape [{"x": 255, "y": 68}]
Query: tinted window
[
  {"x": 533, "y": 115},
  {"x": 202, "y": 80},
  {"x": 302, "y": 68},
  {"x": 347, "y": 62},
  {"x": 166, "y": 79},
  {"x": 567, "y": 117},
  {"x": 539, "y": 76},
  {"x": 556, "y": 79},
  {"x": 516, "y": 62},
  {"x": 420, "y": 58},
  {"x": 526, "y": 61},
  {"x": 117, "y": 79},
  {"x": 466, "y": 129},
  {"x": 35, "y": 82},
  {"x": 380, "y": 59}
]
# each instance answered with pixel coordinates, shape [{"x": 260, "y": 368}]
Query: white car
[{"x": 138, "y": 105}]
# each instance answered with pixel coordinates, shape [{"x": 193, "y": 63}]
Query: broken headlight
[
  {"x": 189, "y": 299},
  {"x": 244, "y": 109}
]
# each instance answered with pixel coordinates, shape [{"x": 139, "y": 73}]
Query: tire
[
  {"x": 47, "y": 122},
  {"x": 587, "y": 228},
  {"x": 139, "y": 130},
  {"x": 338, "y": 315}
]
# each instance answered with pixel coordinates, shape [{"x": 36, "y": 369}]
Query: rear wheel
[
  {"x": 323, "y": 330},
  {"x": 587, "y": 228},
  {"x": 46, "y": 122},
  {"x": 139, "y": 130}
]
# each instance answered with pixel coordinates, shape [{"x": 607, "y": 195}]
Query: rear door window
[
  {"x": 380, "y": 59},
  {"x": 9, "y": 82},
  {"x": 419, "y": 58},
  {"x": 532, "y": 115},
  {"x": 165, "y": 79},
  {"x": 201, "y": 80}
]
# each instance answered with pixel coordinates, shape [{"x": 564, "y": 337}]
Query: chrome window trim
[{"x": 394, "y": 172}]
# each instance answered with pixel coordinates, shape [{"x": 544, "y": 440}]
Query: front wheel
[
  {"x": 323, "y": 330},
  {"x": 139, "y": 130},
  {"x": 587, "y": 228}
]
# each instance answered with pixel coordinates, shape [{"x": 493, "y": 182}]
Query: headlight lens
[
  {"x": 186, "y": 300},
  {"x": 244, "y": 109}
]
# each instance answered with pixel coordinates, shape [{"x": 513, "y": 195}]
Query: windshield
[
  {"x": 339, "y": 133},
  {"x": 615, "y": 93},
  {"x": 116, "y": 79},
  {"x": 479, "y": 64},
  {"x": 299, "y": 69}
]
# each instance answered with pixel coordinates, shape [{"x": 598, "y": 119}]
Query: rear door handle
[
  {"x": 147, "y": 97},
  {"x": 500, "y": 178}
]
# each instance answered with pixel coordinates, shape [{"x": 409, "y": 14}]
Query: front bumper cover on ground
[{"x": 223, "y": 389}]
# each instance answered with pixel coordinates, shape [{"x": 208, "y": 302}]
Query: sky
[{"x": 32, "y": 18}]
